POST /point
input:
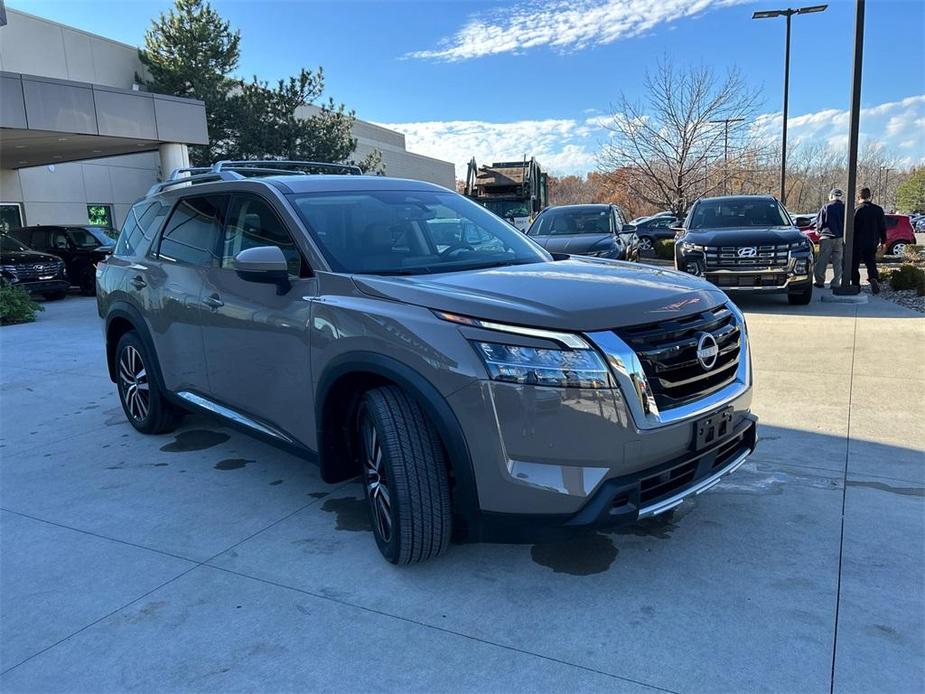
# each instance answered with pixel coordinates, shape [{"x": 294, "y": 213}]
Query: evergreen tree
[
  {"x": 910, "y": 195},
  {"x": 192, "y": 52}
]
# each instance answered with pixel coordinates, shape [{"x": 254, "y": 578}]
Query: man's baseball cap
[{"x": 836, "y": 193}]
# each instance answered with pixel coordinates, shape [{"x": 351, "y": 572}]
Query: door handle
[
  {"x": 213, "y": 301},
  {"x": 138, "y": 282}
]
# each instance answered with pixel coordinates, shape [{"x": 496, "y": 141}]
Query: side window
[
  {"x": 539, "y": 226},
  {"x": 891, "y": 221},
  {"x": 150, "y": 219},
  {"x": 41, "y": 240},
  {"x": 618, "y": 220},
  {"x": 251, "y": 223},
  {"x": 131, "y": 233},
  {"x": 193, "y": 230},
  {"x": 59, "y": 240}
]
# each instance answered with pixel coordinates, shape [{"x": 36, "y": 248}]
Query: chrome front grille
[
  {"x": 746, "y": 257},
  {"x": 33, "y": 271},
  {"x": 668, "y": 349}
]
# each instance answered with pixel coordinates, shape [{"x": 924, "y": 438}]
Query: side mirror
[
  {"x": 264, "y": 265},
  {"x": 627, "y": 228}
]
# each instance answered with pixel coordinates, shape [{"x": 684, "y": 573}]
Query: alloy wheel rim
[
  {"x": 899, "y": 248},
  {"x": 374, "y": 477},
  {"x": 645, "y": 244},
  {"x": 134, "y": 380}
]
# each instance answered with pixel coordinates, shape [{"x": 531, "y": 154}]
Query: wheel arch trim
[
  {"x": 435, "y": 405},
  {"x": 125, "y": 311}
]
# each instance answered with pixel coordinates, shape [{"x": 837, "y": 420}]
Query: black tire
[
  {"x": 411, "y": 516},
  {"x": 141, "y": 394},
  {"x": 801, "y": 297},
  {"x": 88, "y": 283},
  {"x": 55, "y": 296}
]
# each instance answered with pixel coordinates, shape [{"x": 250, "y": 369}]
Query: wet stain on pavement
[
  {"x": 583, "y": 555},
  {"x": 317, "y": 495},
  {"x": 195, "y": 440},
  {"x": 161, "y": 464},
  {"x": 904, "y": 491},
  {"x": 352, "y": 514},
  {"x": 275, "y": 482},
  {"x": 660, "y": 527},
  {"x": 232, "y": 463}
]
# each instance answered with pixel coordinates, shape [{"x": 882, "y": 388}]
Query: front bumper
[
  {"x": 797, "y": 272},
  {"x": 634, "y": 497},
  {"x": 45, "y": 286},
  {"x": 549, "y": 459}
]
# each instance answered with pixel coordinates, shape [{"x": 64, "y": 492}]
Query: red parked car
[{"x": 899, "y": 233}]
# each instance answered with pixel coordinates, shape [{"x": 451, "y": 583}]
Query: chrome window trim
[
  {"x": 232, "y": 415},
  {"x": 634, "y": 384}
]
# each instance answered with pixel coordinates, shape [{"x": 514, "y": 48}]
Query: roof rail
[
  {"x": 195, "y": 178},
  {"x": 235, "y": 170},
  {"x": 275, "y": 164}
]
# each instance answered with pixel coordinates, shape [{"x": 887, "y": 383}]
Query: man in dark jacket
[
  {"x": 830, "y": 225},
  {"x": 869, "y": 235}
]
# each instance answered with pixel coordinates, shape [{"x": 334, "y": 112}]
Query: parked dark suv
[
  {"x": 594, "y": 230},
  {"x": 37, "y": 273},
  {"x": 746, "y": 243},
  {"x": 478, "y": 385},
  {"x": 80, "y": 247}
]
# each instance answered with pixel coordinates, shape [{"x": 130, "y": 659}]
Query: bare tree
[{"x": 671, "y": 141}]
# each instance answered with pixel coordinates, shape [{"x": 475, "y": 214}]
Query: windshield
[
  {"x": 508, "y": 208},
  {"x": 733, "y": 213},
  {"x": 10, "y": 245},
  {"x": 578, "y": 222},
  {"x": 410, "y": 232},
  {"x": 84, "y": 238}
]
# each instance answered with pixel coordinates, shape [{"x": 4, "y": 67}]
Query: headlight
[
  {"x": 563, "y": 368},
  {"x": 9, "y": 270},
  {"x": 602, "y": 252},
  {"x": 690, "y": 247},
  {"x": 800, "y": 245}
]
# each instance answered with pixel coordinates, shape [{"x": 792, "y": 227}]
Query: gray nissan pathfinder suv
[{"x": 479, "y": 386}]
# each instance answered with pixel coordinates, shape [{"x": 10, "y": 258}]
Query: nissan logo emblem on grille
[
  {"x": 707, "y": 351},
  {"x": 747, "y": 252}
]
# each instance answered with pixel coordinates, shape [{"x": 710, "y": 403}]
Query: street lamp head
[
  {"x": 767, "y": 14},
  {"x": 811, "y": 9}
]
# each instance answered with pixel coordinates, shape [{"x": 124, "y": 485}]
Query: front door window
[{"x": 10, "y": 216}]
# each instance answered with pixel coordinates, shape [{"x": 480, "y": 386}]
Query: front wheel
[
  {"x": 143, "y": 399},
  {"x": 404, "y": 477},
  {"x": 88, "y": 283},
  {"x": 646, "y": 244},
  {"x": 801, "y": 297}
]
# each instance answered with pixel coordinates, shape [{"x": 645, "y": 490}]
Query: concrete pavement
[{"x": 205, "y": 560}]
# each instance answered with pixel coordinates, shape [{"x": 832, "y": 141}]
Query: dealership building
[{"x": 79, "y": 139}]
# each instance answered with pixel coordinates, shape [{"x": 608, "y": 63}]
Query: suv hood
[
  {"x": 16, "y": 257},
  {"x": 576, "y": 294},
  {"x": 744, "y": 236}
]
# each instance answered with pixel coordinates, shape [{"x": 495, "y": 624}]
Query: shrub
[
  {"x": 912, "y": 253},
  {"x": 16, "y": 306},
  {"x": 908, "y": 277},
  {"x": 664, "y": 248}
]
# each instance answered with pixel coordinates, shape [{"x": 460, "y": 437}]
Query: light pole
[
  {"x": 726, "y": 122},
  {"x": 788, "y": 13},
  {"x": 847, "y": 287}
]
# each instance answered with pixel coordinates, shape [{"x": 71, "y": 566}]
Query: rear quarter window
[{"x": 141, "y": 224}]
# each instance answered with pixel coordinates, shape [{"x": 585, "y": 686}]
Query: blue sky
[{"x": 496, "y": 79}]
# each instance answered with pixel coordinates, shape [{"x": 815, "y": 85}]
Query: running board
[{"x": 232, "y": 415}]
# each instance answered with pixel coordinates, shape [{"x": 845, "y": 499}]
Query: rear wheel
[
  {"x": 897, "y": 248},
  {"x": 143, "y": 399},
  {"x": 801, "y": 297},
  {"x": 404, "y": 477},
  {"x": 646, "y": 244}
]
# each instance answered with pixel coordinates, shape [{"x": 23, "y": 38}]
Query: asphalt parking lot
[{"x": 205, "y": 560}]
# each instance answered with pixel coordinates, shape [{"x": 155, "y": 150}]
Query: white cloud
[
  {"x": 570, "y": 145},
  {"x": 563, "y": 25},
  {"x": 894, "y": 125}
]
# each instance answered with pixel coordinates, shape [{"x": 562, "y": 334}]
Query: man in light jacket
[{"x": 830, "y": 225}]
